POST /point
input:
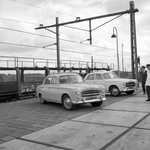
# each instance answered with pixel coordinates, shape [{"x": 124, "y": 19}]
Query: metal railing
[{"x": 10, "y": 61}]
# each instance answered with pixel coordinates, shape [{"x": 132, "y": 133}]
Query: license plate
[
  {"x": 130, "y": 87},
  {"x": 90, "y": 98}
]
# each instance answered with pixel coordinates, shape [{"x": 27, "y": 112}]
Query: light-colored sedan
[
  {"x": 70, "y": 90},
  {"x": 112, "y": 82}
]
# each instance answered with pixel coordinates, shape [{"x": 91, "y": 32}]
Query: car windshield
[
  {"x": 68, "y": 79},
  {"x": 110, "y": 75}
]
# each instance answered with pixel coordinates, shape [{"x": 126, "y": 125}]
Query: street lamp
[{"x": 116, "y": 36}]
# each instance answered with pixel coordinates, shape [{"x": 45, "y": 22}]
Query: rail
[{"x": 10, "y": 61}]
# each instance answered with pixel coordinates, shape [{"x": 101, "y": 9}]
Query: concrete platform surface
[
  {"x": 134, "y": 140},
  {"x": 112, "y": 117},
  {"x": 124, "y": 125}
]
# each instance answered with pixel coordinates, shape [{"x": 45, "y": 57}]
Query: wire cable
[
  {"x": 64, "y": 50},
  {"x": 26, "y": 32},
  {"x": 15, "y": 20},
  {"x": 42, "y": 8},
  {"x": 32, "y": 46},
  {"x": 76, "y": 28},
  {"x": 107, "y": 22},
  {"x": 60, "y": 39}
]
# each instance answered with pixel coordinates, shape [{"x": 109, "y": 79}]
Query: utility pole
[
  {"x": 122, "y": 58},
  {"x": 57, "y": 44},
  {"x": 134, "y": 63},
  {"x": 90, "y": 32},
  {"x": 92, "y": 62}
]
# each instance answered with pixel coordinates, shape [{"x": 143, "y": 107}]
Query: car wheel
[
  {"x": 42, "y": 100},
  {"x": 67, "y": 103},
  {"x": 97, "y": 104},
  {"x": 129, "y": 92},
  {"x": 114, "y": 91}
]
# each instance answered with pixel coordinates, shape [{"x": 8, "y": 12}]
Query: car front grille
[
  {"x": 129, "y": 84},
  {"x": 90, "y": 93}
]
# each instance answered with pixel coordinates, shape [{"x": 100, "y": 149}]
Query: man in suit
[
  {"x": 148, "y": 81},
  {"x": 142, "y": 78}
]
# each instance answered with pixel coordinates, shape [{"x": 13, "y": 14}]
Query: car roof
[
  {"x": 100, "y": 72},
  {"x": 63, "y": 73}
]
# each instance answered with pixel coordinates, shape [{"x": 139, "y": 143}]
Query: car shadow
[{"x": 83, "y": 107}]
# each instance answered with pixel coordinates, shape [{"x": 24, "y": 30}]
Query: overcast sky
[{"x": 19, "y": 18}]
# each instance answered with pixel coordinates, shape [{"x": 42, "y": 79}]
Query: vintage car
[
  {"x": 113, "y": 84},
  {"x": 70, "y": 90}
]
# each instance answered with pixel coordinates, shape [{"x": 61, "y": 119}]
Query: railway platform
[{"x": 121, "y": 125}]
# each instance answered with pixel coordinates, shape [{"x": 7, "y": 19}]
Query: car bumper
[
  {"x": 130, "y": 89},
  {"x": 89, "y": 101}
]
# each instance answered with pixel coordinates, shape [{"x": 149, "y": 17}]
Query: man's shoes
[{"x": 148, "y": 100}]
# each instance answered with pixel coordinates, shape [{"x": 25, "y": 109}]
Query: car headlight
[
  {"x": 103, "y": 90},
  {"x": 124, "y": 84},
  {"x": 102, "y": 94},
  {"x": 78, "y": 92}
]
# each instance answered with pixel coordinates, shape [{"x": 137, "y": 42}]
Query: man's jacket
[{"x": 144, "y": 77}]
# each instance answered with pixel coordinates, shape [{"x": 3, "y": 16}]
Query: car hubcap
[
  {"x": 115, "y": 91},
  {"x": 68, "y": 103}
]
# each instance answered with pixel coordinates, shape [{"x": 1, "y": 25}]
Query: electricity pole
[{"x": 134, "y": 63}]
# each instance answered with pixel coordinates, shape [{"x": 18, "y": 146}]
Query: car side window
[
  {"x": 47, "y": 80},
  {"x": 90, "y": 77},
  {"x": 54, "y": 80},
  {"x": 106, "y": 76},
  {"x": 98, "y": 77}
]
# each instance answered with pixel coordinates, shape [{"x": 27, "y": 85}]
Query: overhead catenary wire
[
  {"x": 68, "y": 27},
  {"x": 56, "y": 12},
  {"x": 42, "y": 8},
  {"x": 15, "y": 20},
  {"x": 76, "y": 28},
  {"x": 64, "y": 50},
  {"x": 33, "y": 23},
  {"x": 33, "y": 46},
  {"x": 26, "y": 32},
  {"x": 107, "y": 22},
  {"x": 32, "y": 5},
  {"x": 95, "y": 27},
  {"x": 16, "y": 16},
  {"x": 53, "y": 37},
  {"x": 66, "y": 40}
]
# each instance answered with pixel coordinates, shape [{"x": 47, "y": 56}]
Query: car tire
[
  {"x": 130, "y": 92},
  {"x": 114, "y": 91},
  {"x": 42, "y": 100},
  {"x": 67, "y": 103},
  {"x": 97, "y": 104}
]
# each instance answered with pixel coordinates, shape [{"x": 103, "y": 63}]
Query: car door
[
  {"x": 45, "y": 86},
  {"x": 108, "y": 83},
  {"x": 99, "y": 79},
  {"x": 90, "y": 78},
  {"x": 53, "y": 89}
]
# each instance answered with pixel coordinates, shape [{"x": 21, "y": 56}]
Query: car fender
[
  {"x": 70, "y": 93},
  {"x": 119, "y": 85}
]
